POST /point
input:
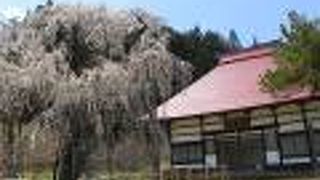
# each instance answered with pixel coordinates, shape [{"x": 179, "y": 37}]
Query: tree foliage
[
  {"x": 201, "y": 49},
  {"x": 86, "y": 71},
  {"x": 234, "y": 40},
  {"x": 298, "y": 55}
]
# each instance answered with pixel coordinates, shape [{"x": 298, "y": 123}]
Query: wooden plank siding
[
  {"x": 213, "y": 123},
  {"x": 257, "y": 124},
  {"x": 261, "y": 117}
]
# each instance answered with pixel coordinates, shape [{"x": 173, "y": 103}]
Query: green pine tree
[
  {"x": 201, "y": 49},
  {"x": 298, "y": 57}
]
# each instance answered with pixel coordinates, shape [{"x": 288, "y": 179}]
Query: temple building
[{"x": 226, "y": 121}]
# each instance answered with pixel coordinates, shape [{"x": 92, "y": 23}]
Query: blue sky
[{"x": 250, "y": 18}]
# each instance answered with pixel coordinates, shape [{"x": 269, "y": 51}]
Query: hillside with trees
[{"x": 201, "y": 48}]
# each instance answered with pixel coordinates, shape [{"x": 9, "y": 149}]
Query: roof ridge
[
  {"x": 246, "y": 56},
  {"x": 264, "y": 45}
]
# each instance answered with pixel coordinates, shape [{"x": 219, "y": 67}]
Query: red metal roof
[{"x": 232, "y": 85}]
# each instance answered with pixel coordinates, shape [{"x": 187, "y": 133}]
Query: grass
[
  {"x": 38, "y": 175},
  {"x": 46, "y": 174}
]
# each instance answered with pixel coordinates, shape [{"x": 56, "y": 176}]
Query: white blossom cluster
[{"x": 77, "y": 64}]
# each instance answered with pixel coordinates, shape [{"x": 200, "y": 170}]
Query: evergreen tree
[
  {"x": 49, "y": 3},
  {"x": 298, "y": 56},
  {"x": 255, "y": 42},
  {"x": 201, "y": 49},
  {"x": 234, "y": 40}
]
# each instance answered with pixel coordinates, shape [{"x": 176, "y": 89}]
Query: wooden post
[
  {"x": 264, "y": 147},
  {"x": 278, "y": 135},
  {"x": 203, "y": 145},
  {"x": 239, "y": 149},
  {"x": 168, "y": 126},
  {"x": 225, "y": 167}
]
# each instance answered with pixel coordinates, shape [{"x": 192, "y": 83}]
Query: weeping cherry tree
[{"x": 90, "y": 73}]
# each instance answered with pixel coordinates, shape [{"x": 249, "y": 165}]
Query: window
[
  {"x": 195, "y": 153},
  {"x": 187, "y": 153},
  {"x": 179, "y": 154},
  {"x": 271, "y": 140},
  {"x": 211, "y": 156},
  {"x": 312, "y": 109},
  {"x": 210, "y": 146},
  {"x": 294, "y": 144},
  {"x": 251, "y": 152},
  {"x": 272, "y": 153},
  {"x": 316, "y": 142}
]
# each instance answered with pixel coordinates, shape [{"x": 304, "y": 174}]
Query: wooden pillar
[
  {"x": 203, "y": 143},
  {"x": 239, "y": 149},
  {"x": 277, "y": 127},
  {"x": 168, "y": 126},
  {"x": 238, "y": 144},
  {"x": 220, "y": 152},
  {"x": 264, "y": 147},
  {"x": 309, "y": 136}
]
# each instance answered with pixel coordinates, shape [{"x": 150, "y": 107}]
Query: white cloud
[{"x": 13, "y": 12}]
